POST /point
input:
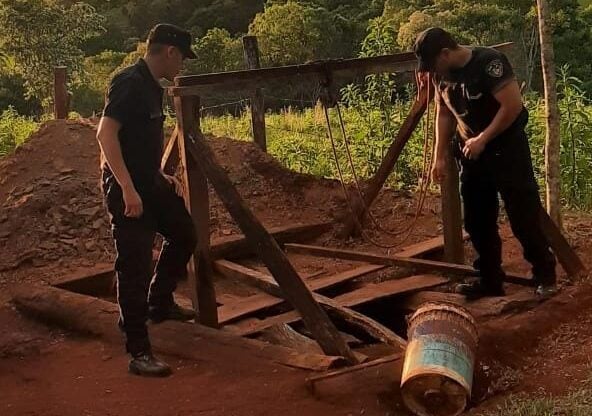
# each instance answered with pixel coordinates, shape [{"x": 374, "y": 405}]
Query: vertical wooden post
[
  {"x": 251, "y": 51},
  {"x": 452, "y": 213},
  {"x": 198, "y": 204},
  {"x": 60, "y": 93}
]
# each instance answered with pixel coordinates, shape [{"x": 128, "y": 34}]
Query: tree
[
  {"x": 294, "y": 33},
  {"x": 553, "y": 139},
  {"x": 216, "y": 51},
  {"x": 41, "y": 34}
]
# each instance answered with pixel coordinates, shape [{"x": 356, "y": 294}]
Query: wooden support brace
[
  {"x": 235, "y": 310},
  {"x": 294, "y": 289},
  {"x": 566, "y": 255},
  {"x": 170, "y": 157},
  {"x": 197, "y": 201},
  {"x": 396, "y": 261},
  {"x": 384, "y": 170},
  {"x": 339, "y": 306}
]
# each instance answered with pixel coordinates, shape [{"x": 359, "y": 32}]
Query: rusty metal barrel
[{"x": 440, "y": 359}]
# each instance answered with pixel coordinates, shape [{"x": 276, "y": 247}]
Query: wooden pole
[
  {"x": 251, "y": 51},
  {"x": 452, "y": 213},
  {"x": 294, "y": 289},
  {"x": 198, "y": 204},
  {"x": 386, "y": 167},
  {"x": 60, "y": 93}
]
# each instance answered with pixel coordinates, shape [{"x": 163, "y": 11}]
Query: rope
[{"x": 424, "y": 183}]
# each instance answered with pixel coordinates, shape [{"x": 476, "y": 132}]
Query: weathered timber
[
  {"x": 313, "y": 380},
  {"x": 235, "y": 310},
  {"x": 566, "y": 255},
  {"x": 251, "y": 52},
  {"x": 170, "y": 156},
  {"x": 396, "y": 261},
  {"x": 294, "y": 289},
  {"x": 387, "y": 165},
  {"x": 340, "y": 68},
  {"x": 97, "y": 317},
  {"x": 99, "y": 280},
  {"x": 60, "y": 93},
  {"x": 425, "y": 247},
  {"x": 198, "y": 203}
]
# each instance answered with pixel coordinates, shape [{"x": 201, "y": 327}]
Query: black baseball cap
[
  {"x": 167, "y": 34},
  {"x": 429, "y": 44}
]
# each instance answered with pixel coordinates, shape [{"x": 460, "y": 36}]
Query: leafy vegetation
[{"x": 14, "y": 130}]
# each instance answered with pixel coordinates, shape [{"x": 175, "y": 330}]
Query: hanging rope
[{"x": 424, "y": 180}]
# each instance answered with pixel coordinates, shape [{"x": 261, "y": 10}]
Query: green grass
[
  {"x": 14, "y": 130},
  {"x": 576, "y": 403}
]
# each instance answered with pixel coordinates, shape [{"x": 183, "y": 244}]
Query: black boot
[
  {"x": 477, "y": 290},
  {"x": 170, "y": 313},
  {"x": 148, "y": 365}
]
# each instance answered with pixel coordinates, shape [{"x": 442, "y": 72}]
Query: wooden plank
[
  {"x": 60, "y": 93},
  {"x": 198, "y": 204},
  {"x": 237, "y": 246},
  {"x": 566, "y": 255},
  {"x": 89, "y": 315},
  {"x": 339, "y": 305},
  {"x": 377, "y": 291},
  {"x": 257, "y": 78},
  {"x": 313, "y": 380},
  {"x": 251, "y": 52},
  {"x": 294, "y": 289},
  {"x": 233, "y": 311},
  {"x": 170, "y": 156},
  {"x": 426, "y": 247},
  {"x": 396, "y": 261},
  {"x": 454, "y": 250}
]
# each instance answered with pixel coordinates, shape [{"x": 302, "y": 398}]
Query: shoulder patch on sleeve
[{"x": 495, "y": 68}]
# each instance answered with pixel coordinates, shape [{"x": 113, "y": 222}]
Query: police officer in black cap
[
  {"x": 141, "y": 199},
  {"x": 481, "y": 118}
]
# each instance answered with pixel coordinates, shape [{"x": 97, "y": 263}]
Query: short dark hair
[
  {"x": 429, "y": 44},
  {"x": 155, "y": 48}
]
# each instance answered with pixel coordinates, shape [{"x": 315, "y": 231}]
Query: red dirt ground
[{"x": 52, "y": 221}]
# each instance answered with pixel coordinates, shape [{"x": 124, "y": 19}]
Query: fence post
[
  {"x": 60, "y": 93},
  {"x": 452, "y": 213},
  {"x": 251, "y": 52}
]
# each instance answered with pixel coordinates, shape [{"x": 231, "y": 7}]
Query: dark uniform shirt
[
  {"x": 134, "y": 98},
  {"x": 468, "y": 92}
]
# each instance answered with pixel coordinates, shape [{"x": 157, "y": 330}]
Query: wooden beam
[
  {"x": 251, "y": 52},
  {"x": 454, "y": 249},
  {"x": 340, "y": 305},
  {"x": 198, "y": 203},
  {"x": 237, "y": 246},
  {"x": 396, "y": 261},
  {"x": 294, "y": 289},
  {"x": 89, "y": 315},
  {"x": 170, "y": 157},
  {"x": 387, "y": 165},
  {"x": 259, "y": 78},
  {"x": 569, "y": 259},
  {"x": 313, "y": 380},
  {"x": 60, "y": 93},
  {"x": 245, "y": 306},
  {"x": 425, "y": 247}
]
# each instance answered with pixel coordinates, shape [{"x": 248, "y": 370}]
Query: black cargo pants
[
  {"x": 505, "y": 168},
  {"x": 139, "y": 286}
]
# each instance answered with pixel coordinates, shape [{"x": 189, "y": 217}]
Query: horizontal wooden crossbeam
[
  {"x": 397, "y": 261},
  {"x": 338, "y": 68}
]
